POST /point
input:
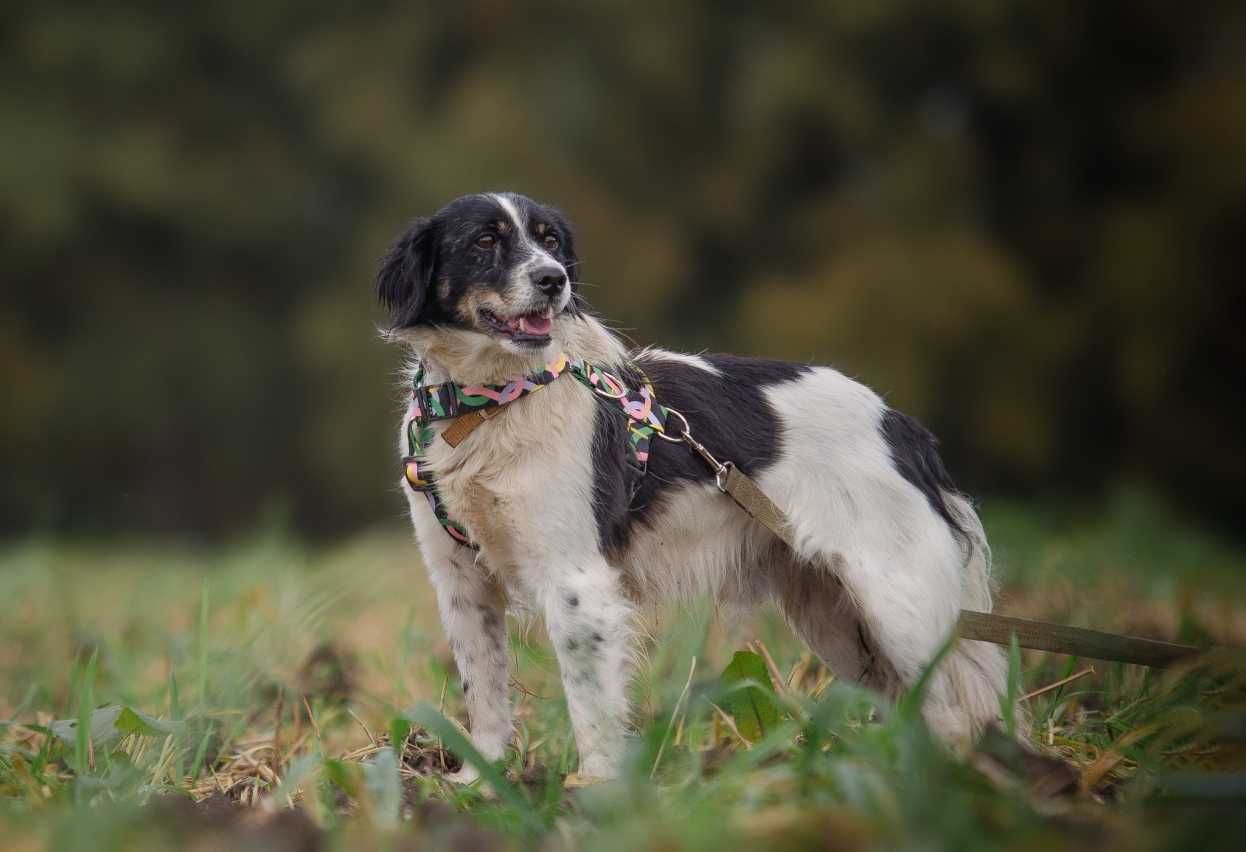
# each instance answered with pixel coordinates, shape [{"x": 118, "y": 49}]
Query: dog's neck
[{"x": 469, "y": 358}]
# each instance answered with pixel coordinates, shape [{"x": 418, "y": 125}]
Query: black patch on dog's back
[
  {"x": 727, "y": 413},
  {"x": 915, "y": 454}
]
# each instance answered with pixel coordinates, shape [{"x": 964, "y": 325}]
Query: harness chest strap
[{"x": 644, "y": 416}]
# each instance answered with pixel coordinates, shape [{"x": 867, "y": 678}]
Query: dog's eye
[
  {"x": 551, "y": 242},
  {"x": 486, "y": 241}
]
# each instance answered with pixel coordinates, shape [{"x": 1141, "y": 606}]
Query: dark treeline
[{"x": 1020, "y": 221}]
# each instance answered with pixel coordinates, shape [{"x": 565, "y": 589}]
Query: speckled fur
[{"x": 874, "y": 588}]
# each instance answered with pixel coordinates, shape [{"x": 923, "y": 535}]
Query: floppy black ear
[{"x": 404, "y": 281}]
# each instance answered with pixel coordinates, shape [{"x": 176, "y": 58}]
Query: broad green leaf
[
  {"x": 380, "y": 779},
  {"x": 750, "y": 698},
  {"x": 399, "y": 729},
  {"x": 109, "y": 724},
  {"x": 345, "y": 776},
  {"x": 131, "y": 721}
]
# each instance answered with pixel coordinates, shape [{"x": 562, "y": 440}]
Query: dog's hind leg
[
  {"x": 816, "y": 605},
  {"x": 904, "y": 587},
  {"x": 909, "y": 599}
]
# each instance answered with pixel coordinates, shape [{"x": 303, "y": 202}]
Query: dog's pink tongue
[{"x": 535, "y": 324}]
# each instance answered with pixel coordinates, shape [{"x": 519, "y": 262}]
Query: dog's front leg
[
  {"x": 473, "y": 614},
  {"x": 590, "y": 625}
]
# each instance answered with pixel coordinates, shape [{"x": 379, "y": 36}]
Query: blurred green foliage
[{"x": 1020, "y": 221}]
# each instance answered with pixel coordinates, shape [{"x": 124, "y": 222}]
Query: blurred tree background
[{"x": 1020, "y": 221}]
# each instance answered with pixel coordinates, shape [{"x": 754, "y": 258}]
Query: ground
[{"x": 251, "y": 695}]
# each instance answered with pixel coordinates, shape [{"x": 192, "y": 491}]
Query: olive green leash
[{"x": 978, "y": 626}]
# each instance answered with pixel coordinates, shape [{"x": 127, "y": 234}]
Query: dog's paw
[{"x": 595, "y": 769}]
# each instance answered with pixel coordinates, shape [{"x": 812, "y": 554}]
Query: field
[{"x": 252, "y": 694}]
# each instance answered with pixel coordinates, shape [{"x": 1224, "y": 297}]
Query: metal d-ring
[
  {"x": 617, "y": 382},
  {"x": 685, "y": 431},
  {"x": 720, "y": 469}
]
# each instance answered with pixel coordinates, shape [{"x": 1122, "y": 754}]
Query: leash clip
[{"x": 685, "y": 436}]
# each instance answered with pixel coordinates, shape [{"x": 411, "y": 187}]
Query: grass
[{"x": 160, "y": 697}]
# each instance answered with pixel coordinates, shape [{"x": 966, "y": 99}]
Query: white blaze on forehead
[
  {"x": 531, "y": 254},
  {"x": 536, "y": 254},
  {"x": 511, "y": 210}
]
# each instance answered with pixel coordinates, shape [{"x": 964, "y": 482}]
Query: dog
[{"x": 887, "y": 551}]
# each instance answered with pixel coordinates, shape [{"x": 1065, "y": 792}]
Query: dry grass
[{"x": 293, "y": 679}]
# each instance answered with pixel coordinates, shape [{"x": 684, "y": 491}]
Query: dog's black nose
[{"x": 549, "y": 280}]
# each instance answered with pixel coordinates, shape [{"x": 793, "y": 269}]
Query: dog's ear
[{"x": 405, "y": 280}]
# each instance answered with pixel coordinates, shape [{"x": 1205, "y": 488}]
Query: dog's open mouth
[{"x": 530, "y": 329}]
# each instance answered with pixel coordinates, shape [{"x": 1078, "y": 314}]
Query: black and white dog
[{"x": 889, "y": 552}]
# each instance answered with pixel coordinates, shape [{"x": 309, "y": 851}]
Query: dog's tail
[
  {"x": 977, "y": 585},
  {"x": 973, "y": 678}
]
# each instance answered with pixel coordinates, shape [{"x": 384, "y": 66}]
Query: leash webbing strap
[
  {"x": 986, "y": 626},
  {"x": 749, "y": 497},
  {"x": 1076, "y": 641}
]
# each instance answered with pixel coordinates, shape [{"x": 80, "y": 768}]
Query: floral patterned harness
[
  {"x": 646, "y": 418},
  {"x": 448, "y": 401}
]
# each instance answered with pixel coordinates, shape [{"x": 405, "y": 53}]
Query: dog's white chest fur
[{"x": 515, "y": 481}]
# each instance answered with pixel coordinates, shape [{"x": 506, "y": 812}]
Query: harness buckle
[{"x": 452, "y": 401}]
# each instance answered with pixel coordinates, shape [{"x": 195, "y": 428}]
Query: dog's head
[{"x": 497, "y": 265}]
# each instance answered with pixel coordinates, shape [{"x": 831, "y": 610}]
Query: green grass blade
[
  {"x": 910, "y": 704},
  {"x": 202, "y": 644},
  {"x": 384, "y": 787},
  {"x": 426, "y": 715},
  {"x": 86, "y": 701},
  {"x": 1013, "y": 693}
]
